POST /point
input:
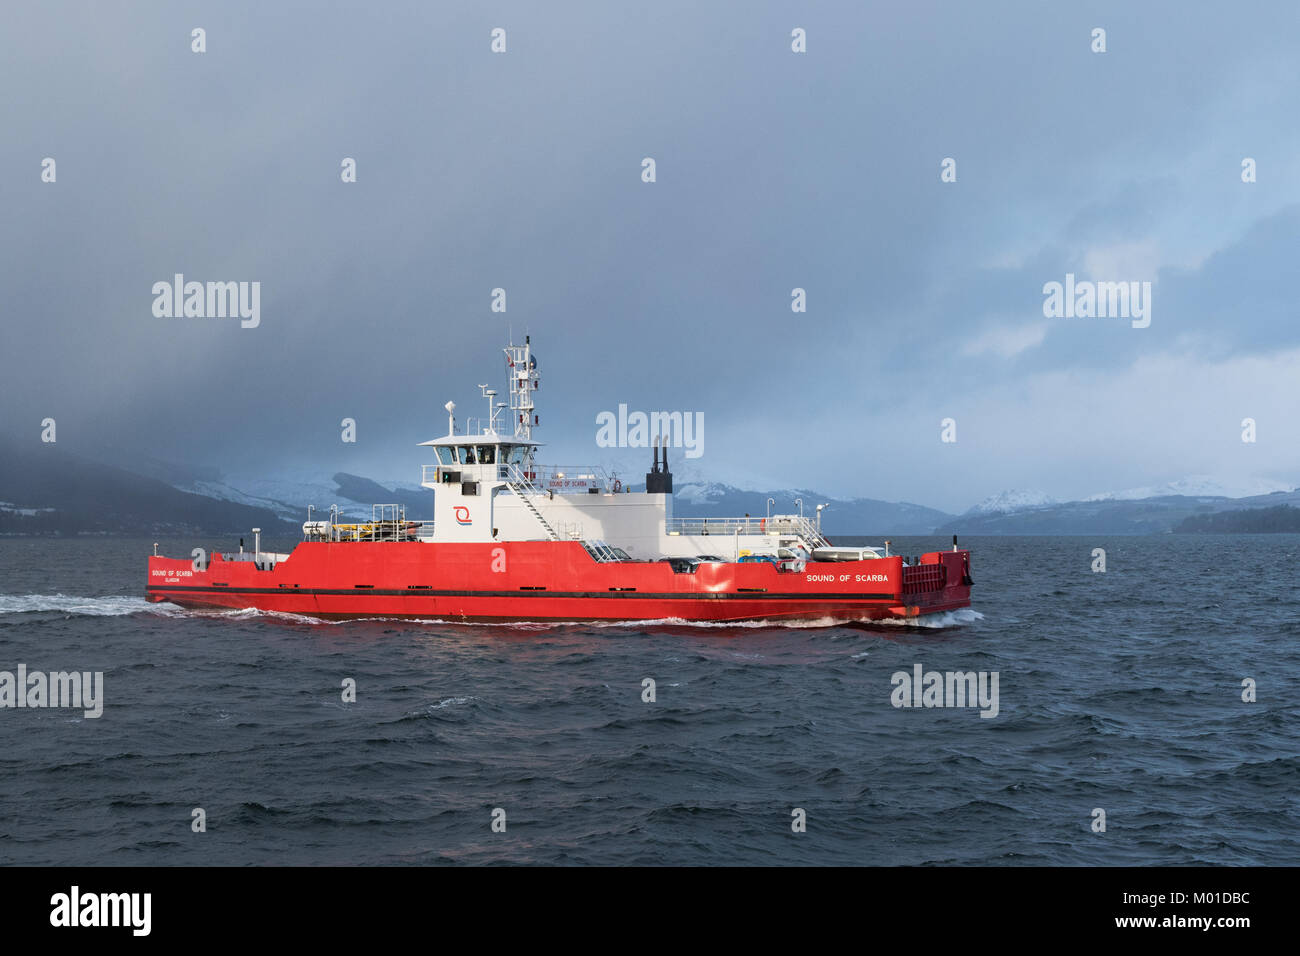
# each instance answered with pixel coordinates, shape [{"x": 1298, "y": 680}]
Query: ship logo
[{"x": 462, "y": 515}]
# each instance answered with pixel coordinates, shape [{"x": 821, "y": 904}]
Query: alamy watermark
[
  {"x": 638, "y": 429},
  {"x": 946, "y": 689},
  {"x": 212, "y": 300},
  {"x": 80, "y": 690},
  {"x": 1101, "y": 300},
  {"x": 75, "y": 908}
]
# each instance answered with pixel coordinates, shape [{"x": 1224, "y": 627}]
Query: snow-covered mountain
[
  {"x": 44, "y": 490},
  {"x": 1182, "y": 505},
  {"x": 700, "y": 493},
  {"x": 716, "y": 493},
  {"x": 288, "y": 498},
  {"x": 1013, "y": 500},
  {"x": 290, "y": 494},
  {"x": 1200, "y": 486}
]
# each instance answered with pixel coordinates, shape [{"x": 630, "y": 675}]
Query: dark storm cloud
[{"x": 522, "y": 171}]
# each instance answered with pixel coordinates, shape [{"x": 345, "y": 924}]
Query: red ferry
[{"x": 514, "y": 541}]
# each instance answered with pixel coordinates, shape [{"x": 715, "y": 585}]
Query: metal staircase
[
  {"x": 525, "y": 491},
  {"x": 808, "y": 531}
]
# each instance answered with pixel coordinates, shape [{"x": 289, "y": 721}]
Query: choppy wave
[
  {"x": 246, "y": 710},
  {"x": 957, "y": 618},
  {"x": 109, "y": 606},
  {"x": 118, "y": 605},
  {"x": 250, "y": 613},
  {"x": 941, "y": 620},
  {"x": 451, "y": 702}
]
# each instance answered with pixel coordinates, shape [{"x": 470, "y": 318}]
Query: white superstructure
[{"x": 488, "y": 486}]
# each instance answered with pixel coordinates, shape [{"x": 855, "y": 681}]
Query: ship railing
[
  {"x": 436, "y": 474},
  {"x": 810, "y": 533},
  {"x": 521, "y": 481},
  {"x": 784, "y": 525},
  {"x": 388, "y": 522},
  {"x": 383, "y": 513},
  {"x": 571, "y": 479},
  {"x": 475, "y": 427},
  {"x": 568, "y": 530},
  {"x": 377, "y": 531},
  {"x": 541, "y": 479},
  {"x": 702, "y": 526}
]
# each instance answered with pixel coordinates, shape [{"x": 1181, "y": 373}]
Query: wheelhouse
[{"x": 480, "y": 452}]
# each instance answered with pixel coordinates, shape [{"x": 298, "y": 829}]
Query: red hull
[{"x": 556, "y": 581}]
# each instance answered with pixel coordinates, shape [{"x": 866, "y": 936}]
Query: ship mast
[{"x": 524, "y": 381}]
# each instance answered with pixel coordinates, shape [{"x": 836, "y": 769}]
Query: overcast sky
[{"x": 775, "y": 170}]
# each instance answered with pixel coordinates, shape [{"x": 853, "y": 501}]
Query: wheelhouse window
[
  {"x": 487, "y": 454},
  {"x": 517, "y": 454},
  {"x": 467, "y": 455},
  {"x": 446, "y": 456}
]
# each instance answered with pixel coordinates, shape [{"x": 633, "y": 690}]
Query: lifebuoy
[
  {"x": 618, "y": 486},
  {"x": 762, "y": 526}
]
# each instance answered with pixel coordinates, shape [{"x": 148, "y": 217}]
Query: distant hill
[
  {"x": 1281, "y": 519},
  {"x": 47, "y": 490},
  {"x": 1011, "y": 501},
  {"x": 691, "y": 499},
  {"x": 1155, "y": 515},
  {"x": 852, "y": 516},
  {"x": 1144, "y": 516},
  {"x": 417, "y": 501}
]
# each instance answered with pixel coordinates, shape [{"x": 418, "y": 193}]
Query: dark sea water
[{"x": 1119, "y": 690}]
